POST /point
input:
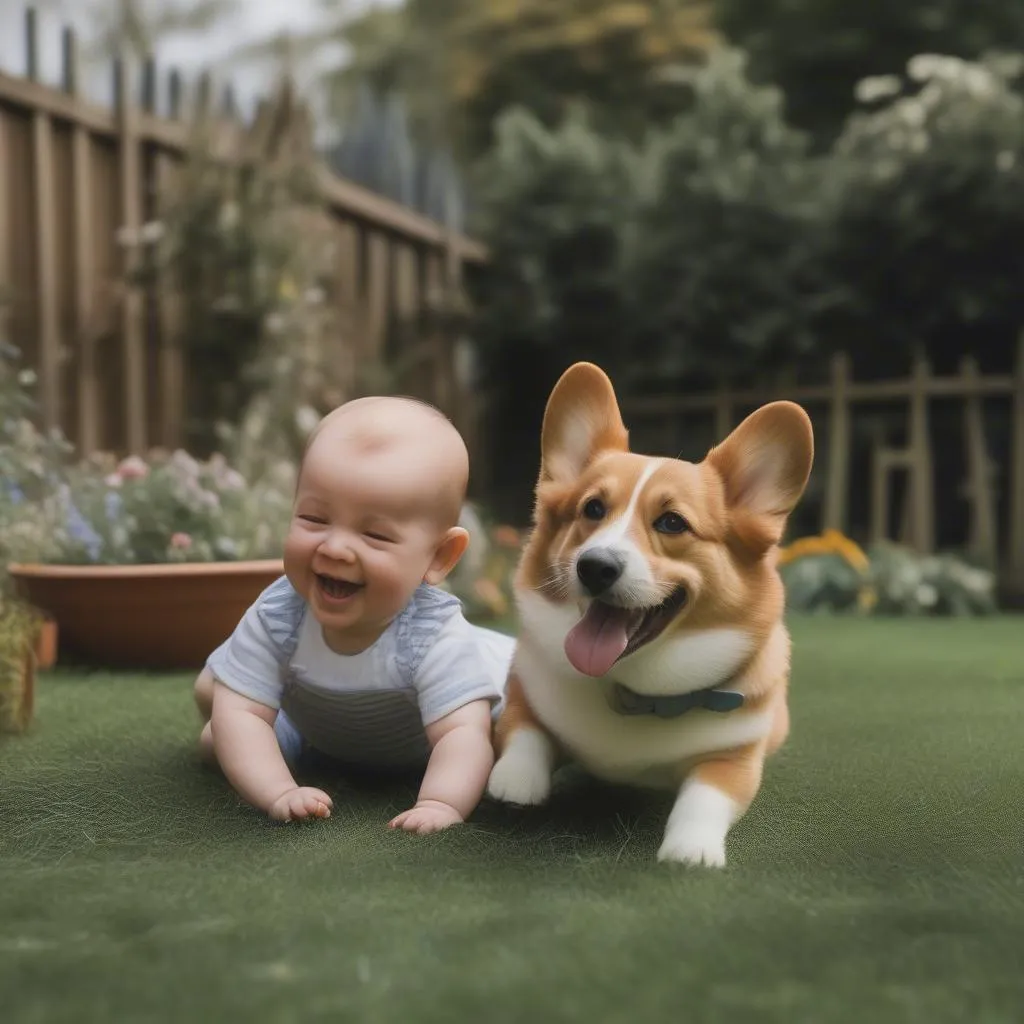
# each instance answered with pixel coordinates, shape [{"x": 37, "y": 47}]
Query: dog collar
[{"x": 629, "y": 702}]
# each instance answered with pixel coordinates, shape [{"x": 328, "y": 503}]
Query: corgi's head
[{"x": 636, "y": 550}]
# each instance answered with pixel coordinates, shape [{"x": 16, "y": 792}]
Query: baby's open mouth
[
  {"x": 608, "y": 632},
  {"x": 336, "y": 588}
]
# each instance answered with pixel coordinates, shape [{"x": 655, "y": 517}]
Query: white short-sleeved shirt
[{"x": 371, "y": 707}]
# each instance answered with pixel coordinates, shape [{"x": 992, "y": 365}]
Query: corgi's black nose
[{"x": 599, "y": 569}]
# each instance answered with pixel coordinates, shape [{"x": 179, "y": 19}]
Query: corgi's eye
[
  {"x": 671, "y": 523},
  {"x": 594, "y": 509}
]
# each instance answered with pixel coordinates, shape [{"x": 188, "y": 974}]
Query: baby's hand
[
  {"x": 301, "y": 803},
  {"x": 427, "y": 816}
]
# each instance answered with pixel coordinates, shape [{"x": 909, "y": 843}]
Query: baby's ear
[{"x": 450, "y": 549}]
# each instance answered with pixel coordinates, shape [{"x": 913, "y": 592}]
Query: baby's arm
[
  {"x": 460, "y": 761},
  {"x": 249, "y": 755}
]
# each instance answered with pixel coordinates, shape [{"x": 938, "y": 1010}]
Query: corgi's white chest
[{"x": 639, "y": 749}]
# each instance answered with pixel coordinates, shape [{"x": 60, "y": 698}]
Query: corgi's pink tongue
[{"x": 598, "y": 639}]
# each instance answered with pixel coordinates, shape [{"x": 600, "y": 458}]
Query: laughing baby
[{"x": 356, "y": 653}]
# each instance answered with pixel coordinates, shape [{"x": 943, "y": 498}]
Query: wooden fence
[
  {"x": 833, "y": 406},
  {"x": 74, "y": 176}
]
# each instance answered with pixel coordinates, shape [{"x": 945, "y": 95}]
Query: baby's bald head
[{"x": 411, "y": 442}]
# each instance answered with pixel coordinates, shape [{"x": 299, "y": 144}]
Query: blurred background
[{"x": 218, "y": 218}]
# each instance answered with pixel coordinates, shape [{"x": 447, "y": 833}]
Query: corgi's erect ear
[
  {"x": 582, "y": 418},
  {"x": 765, "y": 463}
]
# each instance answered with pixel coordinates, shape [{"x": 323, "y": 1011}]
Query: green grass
[{"x": 879, "y": 876}]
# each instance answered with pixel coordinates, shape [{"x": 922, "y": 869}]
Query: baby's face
[{"x": 364, "y": 532}]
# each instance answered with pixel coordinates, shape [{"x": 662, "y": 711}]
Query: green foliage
[
  {"x": 896, "y": 581},
  {"x": 555, "y": 210},
  {"x": 906, "y": 583},
  {"x": 459, "y": 64},
  {"x": 822, "y": 583},
  {"x": 170, "y": 508},
  {"x": 722, "y": 244},
  {"x": 818, "y": 50},
  {"x": 19, "y": 627},
  {"x": 232, "y": 241},
  {"x": 923, "y": 207},
  {"x": 723, "y": 271}
]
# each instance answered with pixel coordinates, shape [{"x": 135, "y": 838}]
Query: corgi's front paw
[
  {"x": 522, "y": 775},
  {"x": 700, "y": 846},
  {"x": 698, "y": 825}
]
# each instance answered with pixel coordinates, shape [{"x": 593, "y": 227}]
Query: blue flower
[
  {"x": 112, "y": 505},
  {"x": 80, "y": 529},
  {"x": 14, "y": 492}
]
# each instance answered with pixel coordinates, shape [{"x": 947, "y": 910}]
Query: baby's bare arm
[
  {"x": 248, "y": 753},
  {"x": 460, "y": 762}
]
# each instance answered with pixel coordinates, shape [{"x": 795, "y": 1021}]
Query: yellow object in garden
[
  {"x": 831, "y": 542},
  {"x": 287, "y": 290}
]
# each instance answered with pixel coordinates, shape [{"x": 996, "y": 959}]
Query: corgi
[{"x": 652, "y": 648}]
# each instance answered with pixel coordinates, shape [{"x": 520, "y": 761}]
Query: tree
[
  {"x": 459, "y": 63},
  {"x": 817, "y": 50}
]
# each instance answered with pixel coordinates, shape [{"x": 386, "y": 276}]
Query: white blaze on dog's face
[{"x": 649, "y": 550}]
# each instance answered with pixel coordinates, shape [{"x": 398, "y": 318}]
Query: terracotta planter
[
  {"x": 46, "y": 644},
  {"x": 144, "y": 616}
]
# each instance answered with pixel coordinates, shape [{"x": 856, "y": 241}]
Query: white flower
[
  {"x": 1005, "y": 160},
  {"x": 185, "y": 464},
  {"x": 933, "y": 65},
  {"x": 276, "y": 323},
  {"x": 912, "y": 113},
  {"x": 232, "y": 480},
  {"x": 226, "y": 547},
  {"x": 314, "y": 296},
  {"x": 151, "y": 232},
  {"x": 230, "y": 214},
  {"x": 979, "y": 81},
  {"x": 877, "y": 87},
  {"x": 26, "y": 378},
  {"x": 306, "y": 419}
]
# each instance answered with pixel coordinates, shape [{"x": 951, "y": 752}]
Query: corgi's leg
[
  {"x": 713, "y": 797},
  {"x": 526, "y": 752}
]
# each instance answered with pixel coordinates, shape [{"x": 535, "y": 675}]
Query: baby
[{"x": 355, "y": 652}]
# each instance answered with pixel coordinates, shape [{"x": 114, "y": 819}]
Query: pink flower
[
  {"x": 132, "y": 468},
  {"x": 181, "y": 541},
  {"x": 113, "y": 480}
]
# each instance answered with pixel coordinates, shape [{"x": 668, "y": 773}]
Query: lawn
[{"x": 880, "y": 875}]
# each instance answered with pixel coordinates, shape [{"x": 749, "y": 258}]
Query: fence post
[
  {"x": 836, "y": 488},
  {"x": 1017, "y": 471},
  {"x": 5, "y": 230},
  {"x": 983, "y": 542},
  {"x": 923, "y": 515},
  {"x": 84, "y": 274},
  {"x": 170, "y": 356},
  {"x": 45, "y": 230},
  {"x": 132, "y": 329}
]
